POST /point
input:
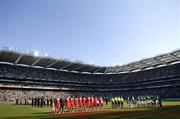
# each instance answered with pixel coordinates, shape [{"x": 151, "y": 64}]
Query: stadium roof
[{"x": 32, "y": 59}]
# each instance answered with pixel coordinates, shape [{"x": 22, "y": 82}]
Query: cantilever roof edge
[{"x": 27, "y": 58}]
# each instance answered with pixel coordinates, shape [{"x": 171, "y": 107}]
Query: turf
[{"x": 170, "y": 110}]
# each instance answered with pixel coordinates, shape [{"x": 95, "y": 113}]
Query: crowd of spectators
[
  {"x": 41, "y": 74},
  {"x": 21, "y": 95},
  {"x": 7, "y": 95}
]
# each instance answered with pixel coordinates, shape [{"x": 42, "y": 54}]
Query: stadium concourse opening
[{"x": 73, "y": 86}]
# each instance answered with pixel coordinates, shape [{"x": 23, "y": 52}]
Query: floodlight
[
  {"x": 11, "y": 48},
  {"x": 117, "y": 64},
  {"x": 46, "y": 54},
  {"x": 36, "y": 53},
  {"x": 91, "y": 63}
]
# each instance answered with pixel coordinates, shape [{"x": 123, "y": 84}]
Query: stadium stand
[{"x": 24, "y": 76}]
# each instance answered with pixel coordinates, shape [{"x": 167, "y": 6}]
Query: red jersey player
[
  {"x": 76, "y": 103},
  {"x": 88, "y": 102},
  {"x": 80, "y": 102},
  {"x": 72, "y": 103},
  {"x": 92, "y": 102},
  {"x": 84, "y": 102},
  {"x": 100, "y": 102},
  {"x": 57, "y": 105},
  {"x": 68, "y": 102}
]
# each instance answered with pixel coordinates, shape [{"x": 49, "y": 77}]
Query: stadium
[{"x": 25, "y": 76}]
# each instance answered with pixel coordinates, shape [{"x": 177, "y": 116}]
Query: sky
[{"x": 103, "y": 32}]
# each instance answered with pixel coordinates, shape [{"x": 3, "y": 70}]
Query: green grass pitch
[{"x": 170, "y": 110}]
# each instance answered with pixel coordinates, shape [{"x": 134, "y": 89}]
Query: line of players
[
  {"x": 117, "y": 102},
  {"x": 76, "y": 104},
  {"x": 142, "y": 101},
  {"x": 72, "y": 104}
]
